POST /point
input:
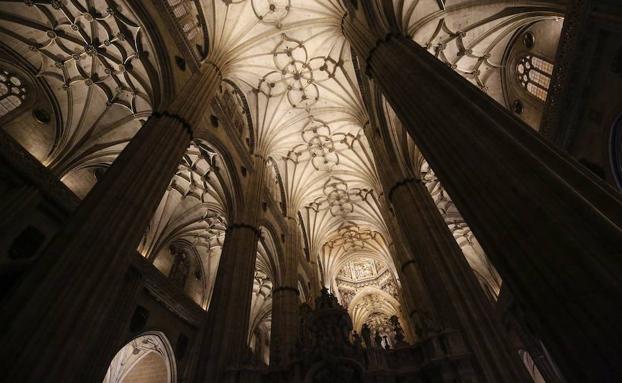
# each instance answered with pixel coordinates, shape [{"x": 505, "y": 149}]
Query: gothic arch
[
  {"x": 615, "y": 150},
  {"x": 249, "y": 129},
  {"x": 226, "y": 173},
  {"x": 40, "y": 109},
  {"x": 148, "y": 358},
  {"x": 162, "y": 78},
  {"x": 272, "y": 251},
  {"x": 275, "y": 185},
  {"x": 359, "y": 311}
]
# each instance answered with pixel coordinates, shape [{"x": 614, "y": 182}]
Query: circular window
[
  {"x": 42, "y": 115},
  {"x": 517, "y": 107},
  {"x": 529, "y": 40}
]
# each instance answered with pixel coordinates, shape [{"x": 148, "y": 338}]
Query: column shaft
[
  {"x": 63, "y": 318},
  {"x": 284, "y": 333},
  {"x": 62, "y": 309},
  {"x": 457, "y": 298},
  {"x": 225, "y": 339},
  {"x": 526, "y": 203},
  {"x": 439, "y": 275}
]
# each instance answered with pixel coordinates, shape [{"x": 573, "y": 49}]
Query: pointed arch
[{"x": 148, "y": 358}]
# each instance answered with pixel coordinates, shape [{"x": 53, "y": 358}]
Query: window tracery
[
  {"x": 534, "y": 75},
  {"x": 13, "y": 92},
  {"x": 187, "y": 15}
]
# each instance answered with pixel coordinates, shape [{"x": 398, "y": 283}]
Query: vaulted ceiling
[{"x": 292, "y": 65}]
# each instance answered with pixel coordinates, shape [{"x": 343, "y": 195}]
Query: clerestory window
[
  {"x": 12, "y": 92},
  {"x": 534, "y": 74}
]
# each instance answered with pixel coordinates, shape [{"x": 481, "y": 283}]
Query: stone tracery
[{"x": 296, "y": 104}]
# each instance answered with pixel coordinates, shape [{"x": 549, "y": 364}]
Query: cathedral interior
[{"x": 310, "y": 191}]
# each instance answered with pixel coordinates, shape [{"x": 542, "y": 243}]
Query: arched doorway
[{"x": 147, "y": 358}]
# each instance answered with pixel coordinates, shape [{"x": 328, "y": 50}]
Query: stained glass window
[
  {"x": 12, "y": 92},
  {"x": 534, "y": 74}
]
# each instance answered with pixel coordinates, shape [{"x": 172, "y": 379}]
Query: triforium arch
[{"x": 312, "y": 189}]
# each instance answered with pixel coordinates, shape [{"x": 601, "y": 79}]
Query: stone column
[
  {"x": 421, "y": 312},
  {"x": 285, "y": 303},
  {"x": 225, "y": 334},
  {"x": 439, "y": 275},
  {"x": 63, "y": 317},
  {"x": 456, "y": 295},
  {"x": 549, "y": 228},
  {"x": 418, "y": 307}
]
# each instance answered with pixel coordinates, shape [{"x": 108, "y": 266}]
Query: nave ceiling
[{"x": 291, "y": 82}]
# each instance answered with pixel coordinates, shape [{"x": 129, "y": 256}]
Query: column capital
[
  {"x": 242, "y": 225},
  {"x": 285, "y": 288},
  {"x": 399, "y": 184},
  {"x": 216, "y": 67},
  {"x": 407, "y": 263},
  {"x": 381, "y": 40},
  {"x": 186, "y": 125}
]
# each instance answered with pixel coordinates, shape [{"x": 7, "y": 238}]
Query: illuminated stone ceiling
[{"x": 292, "y": 64}]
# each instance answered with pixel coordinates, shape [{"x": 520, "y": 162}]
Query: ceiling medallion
[
  {"x": 351, "y": 237},
  {"x": 338, "y": 198},
  {"x": 293, "y": 75},
  {"x": 271, "y": 11},
  {"x": 320, "y": 146}
]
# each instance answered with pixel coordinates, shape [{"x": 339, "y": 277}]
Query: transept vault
[{"x": 303, "y": 191}]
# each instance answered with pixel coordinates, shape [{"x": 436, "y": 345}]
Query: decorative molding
[
  {"x": 371, "y": 52},
  {"x": 186, "y": 125},
  {"x": 242, "y": 225},
  {"x": 399, "y": 184},
  {"x": 285, "y": 288},
  {"x": 163, "y": 291}
]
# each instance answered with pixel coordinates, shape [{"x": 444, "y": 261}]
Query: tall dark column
[
  {"x": 64, "y": 319},
  {"x": 439, "y": 275},
  {"x": 549, "y": 229},
  {"x": 455, "y": 292},
  {"x": 225, "y": 333},
  {"x": 418, "y": 306},
  {"x": 284, "y": 332}
]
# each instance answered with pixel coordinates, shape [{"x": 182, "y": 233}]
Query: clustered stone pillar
[
  {"x": 225, "y": 334},
  {"x": 550, "y": 230},
  {"x": 458, "y": 299},
  {"x": 423, "y": 317},
  {"x": 62, "y": 322},
  {"x": 454, "y": 298},
  {"x": 419, "y": 309},
  {"x": 284, "y": 332}
]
